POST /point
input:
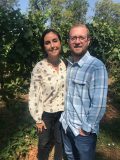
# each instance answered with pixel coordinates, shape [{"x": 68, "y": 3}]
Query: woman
[{"x": 46, "y": 96}]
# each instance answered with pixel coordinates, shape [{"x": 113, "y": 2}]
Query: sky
[
  {"x": 23, "y": 5},
  {"x": 90, "y": 13}
]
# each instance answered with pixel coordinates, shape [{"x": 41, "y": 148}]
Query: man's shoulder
[{"x": 95, "y": 61}]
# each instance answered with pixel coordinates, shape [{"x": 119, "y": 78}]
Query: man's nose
[{"x": 77, "y": 40}]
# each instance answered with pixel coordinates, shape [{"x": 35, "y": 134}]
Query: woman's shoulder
[
  {"x": 64, "y": 63},
  {"x": 39, "y": 65}
]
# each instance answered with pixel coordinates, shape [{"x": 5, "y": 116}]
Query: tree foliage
[
  {"x": 61, "y": 10},
  {"x": 105, "y": 45},
  {"x": 107, "y": 42},
  {"x": 8, "y": 4},
  {"x": 108, "y": 11},
  {"x": 19, "y": 48},
  {"x": 78, "y": 9}
]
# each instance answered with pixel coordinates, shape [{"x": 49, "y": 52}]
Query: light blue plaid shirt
[{"x": 85, "y": 104}]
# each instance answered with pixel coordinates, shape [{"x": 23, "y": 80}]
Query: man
[{"x": 85, "y": 104}]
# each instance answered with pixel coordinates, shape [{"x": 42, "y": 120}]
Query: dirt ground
[{"x": 32, "y": 155}]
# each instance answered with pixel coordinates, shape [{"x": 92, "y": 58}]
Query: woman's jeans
[
  {"x": 52, "y": 133},
  {"x": 79, "y": 147}
]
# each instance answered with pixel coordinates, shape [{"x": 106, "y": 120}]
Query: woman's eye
[
  {"x": 56, "y": 40},
  {"x": 53, "y": 40},
  {"x": 47, "y": 42}
]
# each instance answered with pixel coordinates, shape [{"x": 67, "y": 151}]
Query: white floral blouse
[{"x": 47, "y": 89}]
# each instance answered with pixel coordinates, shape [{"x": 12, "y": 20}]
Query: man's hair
[{"x": 82, "y": 26}]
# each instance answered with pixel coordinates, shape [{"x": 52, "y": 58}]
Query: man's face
[{"x": 78, "y": 41}]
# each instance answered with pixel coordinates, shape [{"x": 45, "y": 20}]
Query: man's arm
[{"x": 98, "y": 96}]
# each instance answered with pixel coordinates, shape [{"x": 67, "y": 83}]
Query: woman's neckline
[{"x": 54, "y": 65}]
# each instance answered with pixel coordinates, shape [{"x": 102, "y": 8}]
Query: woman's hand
[{"x": 41, "y": 126}]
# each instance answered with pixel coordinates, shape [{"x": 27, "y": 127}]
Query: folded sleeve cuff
[{"x": 86, "y": 127}]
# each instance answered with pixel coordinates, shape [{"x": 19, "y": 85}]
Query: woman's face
[{"x": 52, "y": 45}]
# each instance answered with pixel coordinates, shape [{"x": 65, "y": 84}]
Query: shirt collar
[{"x": 81, "y": 62}]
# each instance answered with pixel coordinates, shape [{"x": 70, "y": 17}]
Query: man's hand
[
  {"x": 40, "y": 126},
  {"x": 84, "y": 133}
]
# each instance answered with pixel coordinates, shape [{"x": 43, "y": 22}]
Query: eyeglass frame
[{"x": 74, "y": 38}]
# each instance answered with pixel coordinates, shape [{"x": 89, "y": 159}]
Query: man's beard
[{"x": 79, "y": 55}]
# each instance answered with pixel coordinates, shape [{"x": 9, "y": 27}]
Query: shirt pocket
[
  {"x": 80, "y": 87},
  {"x": 79, "y": 82}
]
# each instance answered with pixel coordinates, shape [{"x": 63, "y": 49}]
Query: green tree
[
  {"x": 8, "y": 4},
  {"x": 108, "y": 11},
  {"x": 61, "y": 10},
  {"x": 19, "y": 49},
  {"x": 78, "y": 9},
  {"x": 41, "y": 5},
  {"x": 105, "y": 45},
  {"x": 106, "y": 38}
]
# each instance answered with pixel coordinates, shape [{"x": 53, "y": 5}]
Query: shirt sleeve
[
  {"x": 98, "y": 96},
  {"x": 35, "y": 95}
]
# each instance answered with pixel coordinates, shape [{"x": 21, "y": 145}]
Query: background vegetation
[{"x": 20, "y": 50}]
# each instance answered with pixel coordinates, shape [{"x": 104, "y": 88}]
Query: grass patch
[{"x": 17, "y": 131}]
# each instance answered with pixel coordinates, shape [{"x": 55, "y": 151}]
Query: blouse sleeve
[{"x": 35, "y": 95}]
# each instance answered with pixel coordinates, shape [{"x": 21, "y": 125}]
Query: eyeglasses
[{"x": 74, "y": 38}]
